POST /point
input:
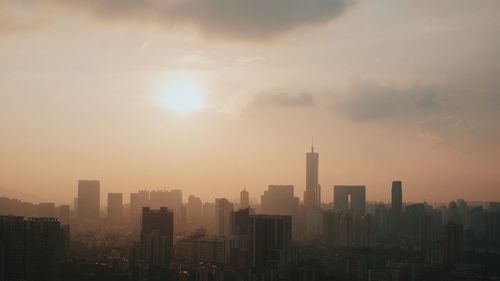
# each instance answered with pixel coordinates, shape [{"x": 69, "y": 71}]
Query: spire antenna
[{"x": 312, "y": 144}]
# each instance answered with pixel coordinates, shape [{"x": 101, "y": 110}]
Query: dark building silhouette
[
  {"x": 240, "y": 221},
  {"x": 157, "y": 236},
  {"x": 453, "y": 242},
  {"x": 115, "y": 207},
  {"x": 312, "y": 194},
  {"x": 269, "y": 241},
  {"x": 89, "y": 199},
  {"x": 350, "y": 198},
  {"x": 396, "y": 205},
  {"x": 331, "y": 228},
  {"x": 30, "y": 249}
]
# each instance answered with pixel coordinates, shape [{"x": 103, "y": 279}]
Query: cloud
[
  {"x": 461, "y": 134},
  {"x": 283, "y": 100},
  {"x": 368, "y": 101},
  {"x": 255, "y": 19}
]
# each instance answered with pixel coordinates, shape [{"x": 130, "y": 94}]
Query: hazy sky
[{"x": 209, "y": 96}]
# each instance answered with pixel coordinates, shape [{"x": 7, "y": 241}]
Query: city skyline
[{"x": 205, "y": 98}]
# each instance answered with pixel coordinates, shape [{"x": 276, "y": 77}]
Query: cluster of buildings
[{"x": 281, "y": 238}]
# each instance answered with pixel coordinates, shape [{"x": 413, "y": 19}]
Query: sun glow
[{"x": 182, "y": 93}]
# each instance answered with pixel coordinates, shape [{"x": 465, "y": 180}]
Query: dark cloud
[
  {"x": 284, "y": 100},
  {"x": 254, "y": 19},
  {"x": 370, "y": 101}
]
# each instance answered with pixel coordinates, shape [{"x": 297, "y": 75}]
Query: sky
[{"x": 211, "y": 96}]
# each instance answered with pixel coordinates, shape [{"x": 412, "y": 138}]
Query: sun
[{"x": 182, "y": 93}]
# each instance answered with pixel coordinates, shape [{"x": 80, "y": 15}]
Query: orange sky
[{"x": 212, "y": 96}]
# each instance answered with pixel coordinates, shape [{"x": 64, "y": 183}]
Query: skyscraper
[
  {"x": 137, "y": 202},
  {"x": 194, "y": 210},
  {"x": 223, "y": 211},
  {"x": 270, "y": 241},
  {"x": 30, "y": 249},
  {"x": 244, "y": 199},
  {"x": 115, "y": 207},
  {"x": 397, "y": 205},
  {"x": 157, "y": 237},
  {"x": 453, "y": 242},
  {"x": 89, "y": 199},
  {"x": 312, "y": 194},
  {"x": 64, "y": 214}
]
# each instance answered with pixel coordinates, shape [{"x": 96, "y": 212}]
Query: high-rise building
[
  {"x": 115, "y": 207},
  {"x": 157, "y": 237},
  {"x": 269, "y": 241},
  {"x": 30, "y": 249},
  {"x": 350, "y": 198},
  {"x": 89, "y": 199},
  {"x": 331, "y": 228},
  {"x": 397, "y": 205},
  {"x": 46, "y": 210},
  {"x": 214, "y": 249},
  {"x": 208, "y": 217},
  {"x": 138, "y": 201},
  {"x": 280, "y": 200},
  {"x": 194, "y": 211},
  {"x": 312, "y": 194},
  {"x": 223, "y": 211},
  {"x": 453, "y": 242},
  {"x": 240, "y": 221},
  {"x": 164, "y": 198},
  {"x": 244, "y": 199},
  {"x": 64, "y": 214}
]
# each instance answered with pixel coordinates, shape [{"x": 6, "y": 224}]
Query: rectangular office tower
[
  {"x": 157, "y": 237},
  {"x": 312, "y": 195},
  {"x": 223, "y": 211},
  {"x": 269, "y": 242},
  {"x": 397, "y": 205},
  {"x": 89, "y": 199},
  {"x": 115, "y": 207}
]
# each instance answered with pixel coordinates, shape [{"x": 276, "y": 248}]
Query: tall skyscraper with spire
[
  {"x": 244, "y": 199},
  {"x": 312, "y": 195}
]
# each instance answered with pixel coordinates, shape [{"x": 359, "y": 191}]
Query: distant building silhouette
[
  {"x": 46, "y": 210},
  {"x": 397, "y": 205},
  {"x": 223, "y": 211},
  {"x": 312, "y": 194},
  {"x": 280, "y": 200},
  {"x": 137, "y": 202},
  {"x": 89, "y": 199},
  {"x": 350, "y": 198},
  {"x": 244, "y": 199},
  {"x": 64, "y": 214},
  {"x": 194, "y": 211},
  {"x": 115, "y": 207}
]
